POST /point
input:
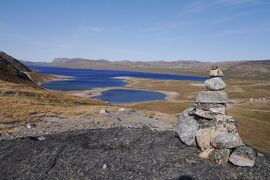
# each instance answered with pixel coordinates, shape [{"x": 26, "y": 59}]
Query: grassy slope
[{"x": 20, "y": 104}]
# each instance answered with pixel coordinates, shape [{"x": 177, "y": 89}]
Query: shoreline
[
  {"x": 90, "y": 93},
  {"x": 170, "y": 95}
]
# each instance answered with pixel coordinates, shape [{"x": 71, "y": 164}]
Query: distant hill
[
  {"x": 259, "y": 69},
  {"x": 13, "y": 70}
]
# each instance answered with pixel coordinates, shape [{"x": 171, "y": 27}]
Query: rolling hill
[
  {"x": 12, "y": 70},
  {"x": 257, "y": 69}
]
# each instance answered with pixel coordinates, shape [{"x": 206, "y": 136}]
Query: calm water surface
[
  {"x": 124, "y": 96},
  {"x": 83, "y": 79}
]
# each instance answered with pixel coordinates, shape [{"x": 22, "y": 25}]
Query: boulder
[
  {"x": 226, "y": 140},
  {"x": 243, "y": 156},
  {"x": 187, "y": 128},
  {"x": 216, "y": 72},
  {"x": 215, "y": 84},
  {"x": 212, "y": 97},
  {"x": 219, "y": 156}
]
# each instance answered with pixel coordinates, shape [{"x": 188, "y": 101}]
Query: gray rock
[
  {"x": 203, "y": 138},
  {"x": 41, "y": 138},
  {"x": 104, "y": 111},
  {"x": 212, "y": 97},
  {"x": 226, "y": 140},
  {"x": 243, "y": 156},
  {"x": 214, "y": 107},
  {"x": 219, "y": 156},
  {"x": 215, "y": 84},
  {"x": 121, "y": 109},
  {"x": 129, "y": 153},
  {"x": 216, "y": 72},
  {"x": 205, "y": 114},
  {"x": 28, "y": 125},
  {"x": 104, "y": 166},
  {"x": 187, "y": 128}
]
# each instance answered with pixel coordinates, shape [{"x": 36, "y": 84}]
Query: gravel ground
[
  {"x": 114, "y": 153},
  {"x": 125, "y": 118}
]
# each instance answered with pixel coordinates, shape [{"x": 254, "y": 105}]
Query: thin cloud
[
  {"x": 202, "y": 5},
  {"x": 233, "y": 32}
]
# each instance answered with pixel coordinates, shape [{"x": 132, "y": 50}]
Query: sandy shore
[
  {"x": 170, "y": 95},
  {"x": 60, "y": 78}
]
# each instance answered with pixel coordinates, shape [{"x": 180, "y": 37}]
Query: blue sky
[{"x": 206, "y": 30}]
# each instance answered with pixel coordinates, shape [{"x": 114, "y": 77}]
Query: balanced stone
[
  {"x": 212, "y": 97},
  {"x": 205, "y": 114},
  {"x": 219, "y": 156},
  {"x": 215, "y": 84},
  {"x": 227, "y": 140},
  {"x": 208, "y": 125},
  {"x": 213, "y": 107},
  {"x": 243, "y": 156},
  {"x": 203, "y": 138},
  {"x": 187, "y": 128},
  {"x": 216, "y": 72}
]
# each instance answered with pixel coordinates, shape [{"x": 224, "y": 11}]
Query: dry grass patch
[{"x": 20, "y": 103}]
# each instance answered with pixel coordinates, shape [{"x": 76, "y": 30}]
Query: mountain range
[{"x": 255, "y": 69}]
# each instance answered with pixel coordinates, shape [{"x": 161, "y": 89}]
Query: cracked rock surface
[{"x": 128, "y": 153}]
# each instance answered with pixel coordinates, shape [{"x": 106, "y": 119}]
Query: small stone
[
  {"x": 243, "y": 156},
  {"x": 41, "y": 138},
  {"x": 227, "y": 140},
  {"x": 104, "y": 166},
  {"x": 121, "y": 109},
  {"x": 219, "y": 156},
  {"x": 212, "y": 97},
  {"x": 215, "y": 84},
  {"x": 29, "y": 125},
  {"x": 103, "y": 111},
  {"x": 216, "y": 72},
  {"x": 187, "y": 128},
  {"x": 205, "y": 154},
  {"x": 260, "y": 154}
]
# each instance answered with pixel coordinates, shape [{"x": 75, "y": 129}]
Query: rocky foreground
[{"x": 115, "y": 153}]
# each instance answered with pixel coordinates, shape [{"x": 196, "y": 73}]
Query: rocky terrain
[
  {"x": 105, "y": 118},
  {"x": 115, "y": 153}
]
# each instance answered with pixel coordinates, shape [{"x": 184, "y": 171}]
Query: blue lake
[
  {"x": 124, "y": 96},
  {"x": 84, "y": 79}
]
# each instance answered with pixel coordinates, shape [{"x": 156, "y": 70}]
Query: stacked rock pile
[{"x": 208, "y": 126}]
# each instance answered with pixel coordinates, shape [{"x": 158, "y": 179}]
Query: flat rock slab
[
  {"x": 212, "y": 97},
  {"x": 115, "y": 153}
]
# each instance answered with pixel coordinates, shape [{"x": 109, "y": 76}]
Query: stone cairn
[{"x": 208, "y": 126}]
